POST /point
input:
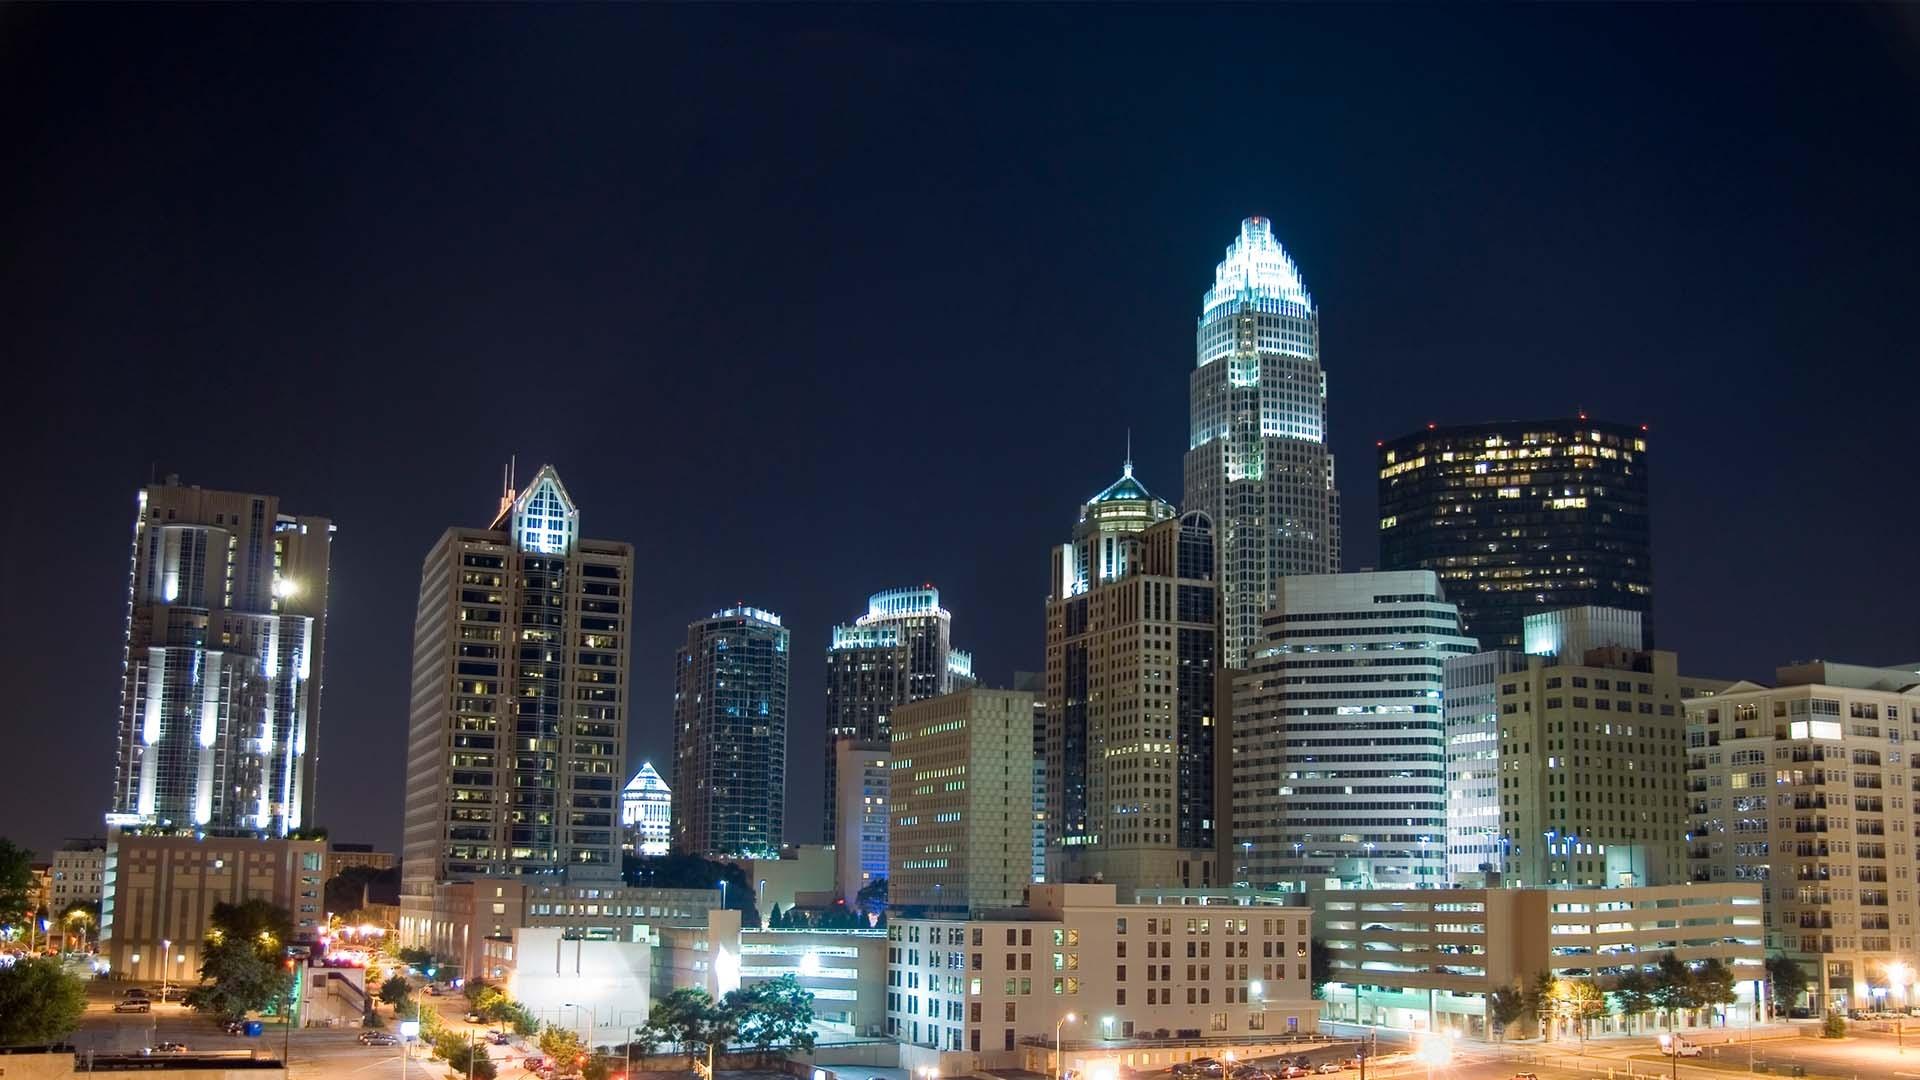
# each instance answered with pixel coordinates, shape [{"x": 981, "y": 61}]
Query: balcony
[{"x": 1811, "y": 921}]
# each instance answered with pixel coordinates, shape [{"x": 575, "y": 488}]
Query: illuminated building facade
[
  {"x": 901, "y": 650},
  {"x": 962, "y": 825},
  {"x": 519, "y": 719},
  {"x": 1339, "y": 744},
  {"x": 225, "y": 636},
  {"x": 730, "y": 736},
  {"x": 1592, "y": 747},
  {"x": 1521, "y": 517},
  {"x": 646, "y": 812},
  {"x": 1258, "y": 464},
  {"x": 863, "y": 777},
  {"x": 1808, "y": 788},
  {"x": 1132, "y": 654},
  {"x": 1472, "y": 703}
]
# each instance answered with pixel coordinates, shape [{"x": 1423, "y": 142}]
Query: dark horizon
[{"x": 806, "y": 303}]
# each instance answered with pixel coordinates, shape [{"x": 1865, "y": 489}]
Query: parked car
[
  {"x": 167, "y": 1048},
  {"x": 1799, "y": 1013},
  {"x": 499, "y": 1038},
  {"x": 1291, "y": 1071},
  {"x": 475, "y": 1018},
  {"x": 133, "y": 1005},
  {"x": 379, "y": 1038},
  {"x": 1526, "y": 1076},
  {"x": 1327, "y": 1067},
  {"x": 135, "y": 993},
  {"x": 234, "y": 1027}
]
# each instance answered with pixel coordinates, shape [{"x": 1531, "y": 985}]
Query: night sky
[{"x": 809, "y": 302}]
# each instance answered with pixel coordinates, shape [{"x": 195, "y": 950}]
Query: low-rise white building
[
  {"x": 989, "y": 992},
  {"x": 598, "y": 989}
]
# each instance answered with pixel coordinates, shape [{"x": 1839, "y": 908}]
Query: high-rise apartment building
[
  {"x": 519, "y": 714},
  {"x": 1592, "y": 755},
  {"x": 901, "y": 650},
  {"x": 1258, "y": 463},
  {"x": 1472, "y": 704},
  {"x": 646, "y": 812},
  {"x": 962, "y": 781},
  {"x": 1132, "y": 651},
  {"x": 1810, "y": 788},
  {"x": 1521, "y": 517},
  {"x": 863, "y": 778},
  {"x": 730, "y": 736},
  {"x": 225, "y": 638},
  {"x": 1339, "y": 738},
  {"x": 1035, "y": 683}
]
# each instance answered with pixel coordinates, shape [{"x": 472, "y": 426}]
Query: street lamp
[
  {"x": 1246, "y": 861},
  {"x": 166, "y": 952},
  {"x": 723, "y": 894},
  {"x": 1059, "y": 1052}
]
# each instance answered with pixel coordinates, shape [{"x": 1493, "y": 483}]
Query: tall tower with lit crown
[
  {"x": 518, "y": 731},
  {"x": 1258, "y": 462}
]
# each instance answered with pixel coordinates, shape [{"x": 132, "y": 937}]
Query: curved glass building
[{"x": 1257, "y": 460}]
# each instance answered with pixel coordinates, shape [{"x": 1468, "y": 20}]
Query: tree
[
  {"x": 1320, "y": 967},
  {"x": 395, "y": 991},
  {"x": 1632, "y": 995},
  {"x": 466, "y": 1057},
  {"x": 683, "y": 1019},
  {"x": 775, "y": 1013},
  {"x": 1834, "y": 1026},
  {"x": 1786, "y": 981},
  {"x": 1506, "y": 1005},
  {"x": 1713, "y": 983},
  {"x": 776, "y": 919},
  {"x": 237, "y": 978},
  {"x": 415, "y": 957},
  {"x": 80, "y": 917},
  {"x": 16, "y": 883},
  {"x": 872, "y": 897},
  {"x": 1577, "y": 1002},
  {"x": 242, "y": 965},
  {"x": 563, "y": 1048},
  {"x": 677, "y": 871},
  {"x": 598, "y": 1067},
  {"x": 1540, "y": 1001},
  {"x": 39, "y": 1002},
  {"x": 1673, "y": 988}
]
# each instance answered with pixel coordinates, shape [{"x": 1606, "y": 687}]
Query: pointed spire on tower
[{"x": 1127, "y": 468}]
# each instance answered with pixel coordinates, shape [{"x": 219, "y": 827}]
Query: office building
[
  {"x": 1147, "y": 984},
  {"x": 646, "y": 813},
  {"x": 225, "y": 644},
  {"x": 465, "y": 916},
  {"x": 1471, "y": 688},
  {"x": 1809, "y": 789},
  {"x": 805, "y": 875},
  {"x": 161, "y": 889},
  {"x": 519, "y": 713},
  {"x": 1258, "y": 463},
  {"x": 78, "y": 874},
  {"x": 1521, "y": 517},
  {"x": 730, "y": 736},
  {"x": 862, "y": 770},
  {"x": 1426, "y": 960},
  {"x": 961, "y": 800},
  {"x": 1338, "y": 733},
  {"x": 1592, "y": 756},
  {"x": 1035, "y": 683},
  {"x": 346, "y": 856},
  {"x": 900, "y": 651},
  {"x": 1132, "y": 651}
]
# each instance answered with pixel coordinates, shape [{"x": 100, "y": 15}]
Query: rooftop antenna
[
  {"x": 506, "y": 485},
  {"x": 1127, "y": 468}
]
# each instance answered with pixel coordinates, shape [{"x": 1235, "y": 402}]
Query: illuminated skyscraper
[
  {"x": 730, "y": 736},
  {"x": 226, "y": 629},
  {"x": 1520, "y": 518},
  {"x": 1258, "y": 462},
  {"x": 899, "y": 651},
  {"x": 646, "y": 812},
  {"x": 519, "y": 720},
  {"x": 1131, "y": 663}
]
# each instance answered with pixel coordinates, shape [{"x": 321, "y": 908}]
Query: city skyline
[{"x": 320, "y": 309}]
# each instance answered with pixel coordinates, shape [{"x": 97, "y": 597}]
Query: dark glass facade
[{"x": 1521, "y": 517}]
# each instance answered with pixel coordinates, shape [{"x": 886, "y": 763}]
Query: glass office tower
[{"x": 1521, "y": 517}]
